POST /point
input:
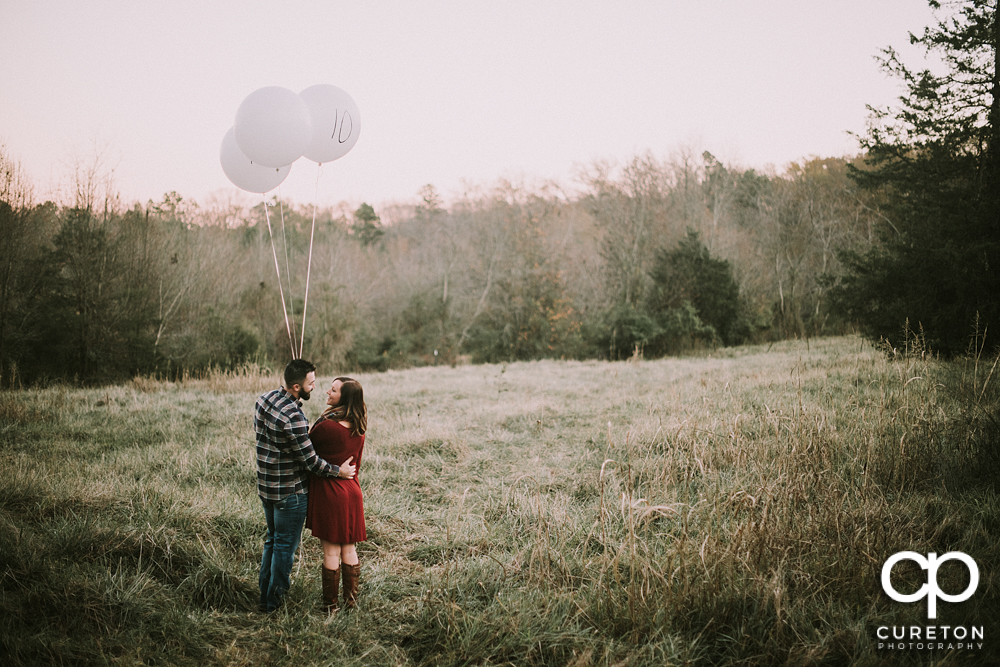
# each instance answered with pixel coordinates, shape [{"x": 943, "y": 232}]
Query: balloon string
[
  {"x": 312, "y": 234},
  {"x": 274, "y": 253},
  {"x": 288, "y": 272}
]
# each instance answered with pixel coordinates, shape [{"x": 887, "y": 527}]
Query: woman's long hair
[{"x": 352, "y": 406}]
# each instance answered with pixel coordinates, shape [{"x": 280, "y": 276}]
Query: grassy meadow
[{"x": 725, "y": 509}]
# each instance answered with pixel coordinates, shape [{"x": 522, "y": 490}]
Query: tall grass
[{"x": 726, "y": 510}]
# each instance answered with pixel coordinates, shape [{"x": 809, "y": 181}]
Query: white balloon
[
  {"x": 244, "y": 173},
  {"x": 336, "y": 122},
  {"x": 273, "y": 126}
]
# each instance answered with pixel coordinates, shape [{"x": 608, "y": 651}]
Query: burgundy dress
[{"x": 336, "y": 512}]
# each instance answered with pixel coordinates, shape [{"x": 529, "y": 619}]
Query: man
[{"x": 285, "y": 456}]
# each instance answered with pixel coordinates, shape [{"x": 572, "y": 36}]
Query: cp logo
[{"x": 930, "y": 589}]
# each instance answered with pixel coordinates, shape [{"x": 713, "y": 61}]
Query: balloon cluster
[{"x": 274, "y": 127}]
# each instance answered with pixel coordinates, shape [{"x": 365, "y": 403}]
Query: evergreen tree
[
  {"x": 367, "y": 226},
  {"x": 97, "y": 318},
  {"x": 935, "y": 161},
  {"x": 688, "y": 277}
]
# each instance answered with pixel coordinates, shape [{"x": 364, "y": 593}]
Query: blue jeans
[{"x": 285, "y": 519}]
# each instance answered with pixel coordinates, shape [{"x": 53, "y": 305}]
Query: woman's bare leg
[
  {"x": 349, "y": 553},
  {"x": 331, "y": 555}
]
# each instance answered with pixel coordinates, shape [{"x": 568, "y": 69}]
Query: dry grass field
[{"x": 726, "y": 509}]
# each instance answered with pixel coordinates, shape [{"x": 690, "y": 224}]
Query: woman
[{"x": 336, "y": 511}]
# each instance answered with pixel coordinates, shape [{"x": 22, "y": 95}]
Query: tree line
[{"x": 651, "y": 257}]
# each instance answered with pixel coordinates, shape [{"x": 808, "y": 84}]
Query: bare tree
[{"x": 630, "y": 209}]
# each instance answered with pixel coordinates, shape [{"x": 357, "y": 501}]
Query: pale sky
[{"x": 450, "y": 93}]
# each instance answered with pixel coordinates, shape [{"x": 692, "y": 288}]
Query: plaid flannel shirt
[{"x": 284, "y": 451}]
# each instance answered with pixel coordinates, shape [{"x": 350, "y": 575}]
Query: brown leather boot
[
  {"x": 351, "y": 574},
  {"x": 331, "y": 584}
]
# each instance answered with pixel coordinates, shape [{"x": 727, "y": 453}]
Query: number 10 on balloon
[
  {"x": 346, "y": 122},
  {"x": 335, "y": 122}
]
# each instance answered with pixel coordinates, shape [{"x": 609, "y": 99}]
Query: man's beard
[{"x": 304, "y": 395}]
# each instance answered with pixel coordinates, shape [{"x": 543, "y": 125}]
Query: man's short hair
[{"x": 296, "y": 372}]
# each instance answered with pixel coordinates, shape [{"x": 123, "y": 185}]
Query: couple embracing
[{"x": 298, "y": 483}]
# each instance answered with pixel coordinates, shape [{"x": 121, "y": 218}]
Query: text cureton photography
[{"x": 931, "y": 637}]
